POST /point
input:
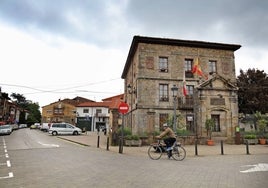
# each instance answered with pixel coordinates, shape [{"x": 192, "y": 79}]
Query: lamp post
[
  {"x": 174, "y": 90},
  {"x": 131, "y": 90}
]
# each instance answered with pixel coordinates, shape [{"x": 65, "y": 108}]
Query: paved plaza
[{"x": 91, "y": 139}]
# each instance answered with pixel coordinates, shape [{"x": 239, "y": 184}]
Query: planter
[
  {"x": 132, "y": 142},
  {"x": 262, "y": 141},
  {"x": 251, "y": 141},
  {"x": 210, "y": 142}
]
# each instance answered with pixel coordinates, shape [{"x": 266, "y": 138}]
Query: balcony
[
  {"x": 101, "y": 115},
  {"x": 188, "y": 102}
]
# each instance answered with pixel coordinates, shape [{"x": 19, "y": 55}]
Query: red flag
[{"x": 184, "y": 88}]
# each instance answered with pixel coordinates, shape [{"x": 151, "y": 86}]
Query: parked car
[
  {"x": 44, "y": 127},
  {"x": 14, "y": 127},
  {"x": 63, "y": 128},
  {"x": 35, "y": 126},
  {"x": 21, "y": 126},
  {"x": 5, "y": 129}
]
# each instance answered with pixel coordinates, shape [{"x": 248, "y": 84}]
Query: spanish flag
[{"x": 197, "y": 69}]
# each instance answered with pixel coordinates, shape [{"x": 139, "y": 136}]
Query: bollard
[
  {"x": 222, "y": 147},
  {"x": 247, "y": 148},
  {"x": 107, "y": 146},
  {"x": 196, "y": 152},
  {"x": 120, "y": 145},
  {"x": 98, "y": 141}
]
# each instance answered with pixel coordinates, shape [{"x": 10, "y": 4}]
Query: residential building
[
  {"x": 94, "y": 116},
  {"x": 155, "y": 66},
  {"x": 9, "y": 110},
  {"x": 62, "y": 110}
]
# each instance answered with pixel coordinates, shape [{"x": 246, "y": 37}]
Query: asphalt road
[{"x": 39, "y": 160}]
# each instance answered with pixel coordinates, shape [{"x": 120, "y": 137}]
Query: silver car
[
  {"x": 63, "y": 128},
  {"x": 5, "y": 129}
]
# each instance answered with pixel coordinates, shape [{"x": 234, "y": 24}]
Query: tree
[
  {"x": 31, "y": 108},
  {"x": 252, "y": 91},
  {"x": 34, "y": 115},
  {"x": 20, "y": 99}
]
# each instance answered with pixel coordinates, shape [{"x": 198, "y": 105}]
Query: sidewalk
[{"x": 90, "y": 139}]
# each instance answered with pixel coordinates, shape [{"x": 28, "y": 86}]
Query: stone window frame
[
  {"x": 163, "y": 92},
  {"x": 212, "y": 66},
  {"x": 163, "y": 64},
  {"x": 188, "y": 66}
]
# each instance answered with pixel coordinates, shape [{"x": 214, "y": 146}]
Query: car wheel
[
  {"x": 75, "y": 133},
  {"x": 54, "y": 133}
]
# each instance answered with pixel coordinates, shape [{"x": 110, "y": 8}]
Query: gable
[{"x": 217, "y": 82}]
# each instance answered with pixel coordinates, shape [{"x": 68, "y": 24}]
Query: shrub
[
  {"x": 126, "y": 131},
  {"x": 250, "y": 136},
  {"x": 183, "y": 132},
  {"x": 132, "y": 137}
]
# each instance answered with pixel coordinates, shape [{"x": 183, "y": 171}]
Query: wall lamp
[
  {"x": 130, "y": 89},
  {"x": 174, "y": 90}
]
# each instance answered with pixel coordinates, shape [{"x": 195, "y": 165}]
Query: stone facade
[{"x": 213, "y": 95}]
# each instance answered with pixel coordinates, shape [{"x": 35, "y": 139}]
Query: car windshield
[{"x": 4, "y": 126}]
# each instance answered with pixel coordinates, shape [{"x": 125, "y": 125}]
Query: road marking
[
  {"x": 8, "y": 164},
  {"x": 10, "y": 175},
  {"x": 256, "y": 168},
  {"x": 49, "y": 145},
  {"x": 7, "y": 155}
]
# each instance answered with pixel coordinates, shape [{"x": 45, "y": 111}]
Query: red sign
[{"x": 123, "y": 108}]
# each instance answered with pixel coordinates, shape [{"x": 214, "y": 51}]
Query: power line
[{"x": 60, "y": 90}]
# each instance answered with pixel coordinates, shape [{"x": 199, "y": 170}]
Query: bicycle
[{"x": 156, "y": 150}]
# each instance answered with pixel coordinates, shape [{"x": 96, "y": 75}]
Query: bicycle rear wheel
[
  {"x": 178, "y": 153},
  {"x": 154, "y": 152}
]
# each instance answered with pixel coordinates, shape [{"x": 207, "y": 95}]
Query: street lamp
[{"x": 174, "y": 90}]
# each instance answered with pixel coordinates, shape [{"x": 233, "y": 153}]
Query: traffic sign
[{"x": 123, "y": 108}]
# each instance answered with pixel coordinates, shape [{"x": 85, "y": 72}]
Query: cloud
[{"x": 241, "y": 21}]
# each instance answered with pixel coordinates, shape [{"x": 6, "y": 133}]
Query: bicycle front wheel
[
  {"x": 178, "y": 153},
  {"x": 154, "y": 152}
]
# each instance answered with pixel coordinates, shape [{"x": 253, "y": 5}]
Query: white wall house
[{"x": 92, "y": 115}]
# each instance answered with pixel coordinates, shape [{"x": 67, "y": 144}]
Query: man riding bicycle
[{"x": 171, "y": 138}]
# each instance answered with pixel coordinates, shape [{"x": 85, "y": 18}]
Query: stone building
[{"x": 155, "y": 66}]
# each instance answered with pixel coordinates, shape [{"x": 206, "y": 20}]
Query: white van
[
  {"x": 63, "y": 128},
  {"x": 44, "y": 127}
]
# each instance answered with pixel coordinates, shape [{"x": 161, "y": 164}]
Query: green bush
[
  {"x": 126, "y": 131},
  {"x": 132, "y": 137},
  {"x": 183, "y": 132},
  {"x": 250, "y": 136}
]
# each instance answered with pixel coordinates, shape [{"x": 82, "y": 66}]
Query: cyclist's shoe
[
  {"x": 169, "y": 149},
  {"x": 169, "y": 154}
]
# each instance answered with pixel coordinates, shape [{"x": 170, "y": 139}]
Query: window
[
  {"x": 212, "y": 66},
  {"x": 98, "y": 111},
  {"x": 190, "y": 89},
  {"x": 188, "y": 65},
  {"x": 85, "y": 111},
  {"x": 163, "y": 118},
  {"x": 217, "y": 127},
  {"x": 58, "y": 111},
  {"x": 163, "y": 64},
  {"x": 163, "y": 92}
]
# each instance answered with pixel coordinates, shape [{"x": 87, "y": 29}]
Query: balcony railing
[{"x": 186, "y": 103}]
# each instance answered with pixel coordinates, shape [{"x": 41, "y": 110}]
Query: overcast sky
[{"x": 56, "y": 49}]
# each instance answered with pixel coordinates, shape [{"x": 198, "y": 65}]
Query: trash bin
[{"x": 237, "y": 136}]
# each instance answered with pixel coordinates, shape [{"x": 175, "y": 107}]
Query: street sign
[{"x": 123, "y": 108}]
